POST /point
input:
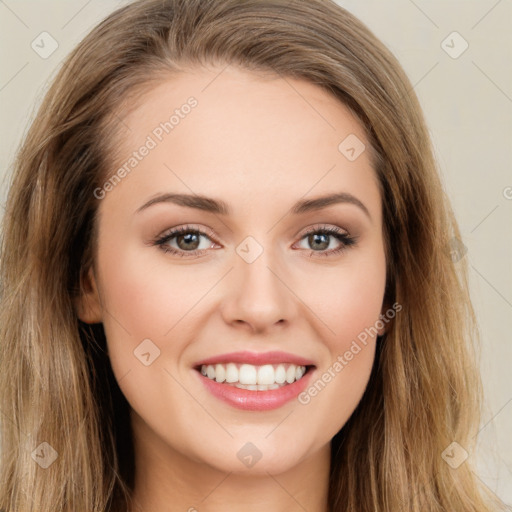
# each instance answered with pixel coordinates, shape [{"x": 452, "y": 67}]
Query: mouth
[
  {"x": 254, "y": 378},
  {"x": 257, "y": 382}
]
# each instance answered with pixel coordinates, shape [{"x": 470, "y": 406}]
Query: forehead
[{"x": 232, "y": 132}]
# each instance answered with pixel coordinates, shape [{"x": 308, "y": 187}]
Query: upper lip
[{"x": 256, "y": 358}]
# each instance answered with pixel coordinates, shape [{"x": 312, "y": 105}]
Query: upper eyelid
[
  {"x": 172, "y": 232},
  {"x": 210, "y": 232}
]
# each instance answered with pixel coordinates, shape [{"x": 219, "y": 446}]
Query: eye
[
  {"x": 185, "y": 241},
  {"x": 320, "y": 238}
]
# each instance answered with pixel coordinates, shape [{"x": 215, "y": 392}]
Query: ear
[
  {"x": 383, "y": 322},
  {"x": 88, "y": 304}
]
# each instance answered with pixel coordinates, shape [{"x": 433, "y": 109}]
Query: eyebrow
[{"x": 208, "y": 204}]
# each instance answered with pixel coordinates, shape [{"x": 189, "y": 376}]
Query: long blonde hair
[{"x": 56, "y": 384}]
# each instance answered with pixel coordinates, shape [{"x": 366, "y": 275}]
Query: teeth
[
  {"x": 220, "y": 373},
  {"x": 254, "y": 378},
  {"x": 247, "y": 374},
  {"x": 258, "y": 387},
  {"x": 266, "y": 374},
  {"x": 280, "y": 374},
  {"x": 231, "y": 373}
]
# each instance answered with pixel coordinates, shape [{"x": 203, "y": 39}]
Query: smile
[
  {"x": 255, "y": 381},
  {"x": 254, "y": 378}
]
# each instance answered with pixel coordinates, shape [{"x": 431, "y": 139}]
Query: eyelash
[{"x": 345, "y": 239}]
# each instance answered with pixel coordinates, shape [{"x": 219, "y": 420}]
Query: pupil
[
  {"x": 189, "y": 237},
  {"x": 313, "y": 239}
]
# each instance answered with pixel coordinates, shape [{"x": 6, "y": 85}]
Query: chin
[{"x": 255, "y": 455}]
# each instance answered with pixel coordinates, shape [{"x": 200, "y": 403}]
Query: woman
[{"x": 173, "y": 337}]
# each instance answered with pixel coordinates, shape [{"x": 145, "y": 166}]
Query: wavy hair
[{"x": 56, "y": 383}]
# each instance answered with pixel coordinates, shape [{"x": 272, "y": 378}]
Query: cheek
[
  {"x": 348, "y": 298},
  {"x": 147, "y": 296},
  {"x": 142, "y": 301}
]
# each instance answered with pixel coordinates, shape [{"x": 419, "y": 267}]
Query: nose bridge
[{"x": 257, "y": 294}]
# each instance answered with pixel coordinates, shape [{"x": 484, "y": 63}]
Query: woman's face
[{"x": 252, "y": 284}]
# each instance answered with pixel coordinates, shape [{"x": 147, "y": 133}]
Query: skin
[{"x": 260, "y": 144}]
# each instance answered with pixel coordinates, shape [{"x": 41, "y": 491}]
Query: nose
[{"x": 257, "y": 296}]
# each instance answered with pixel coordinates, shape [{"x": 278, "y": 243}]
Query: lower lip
[{"x": 256, "y": 400}]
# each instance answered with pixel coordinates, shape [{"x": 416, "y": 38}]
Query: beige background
[{"x": 468, "y": 106}]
